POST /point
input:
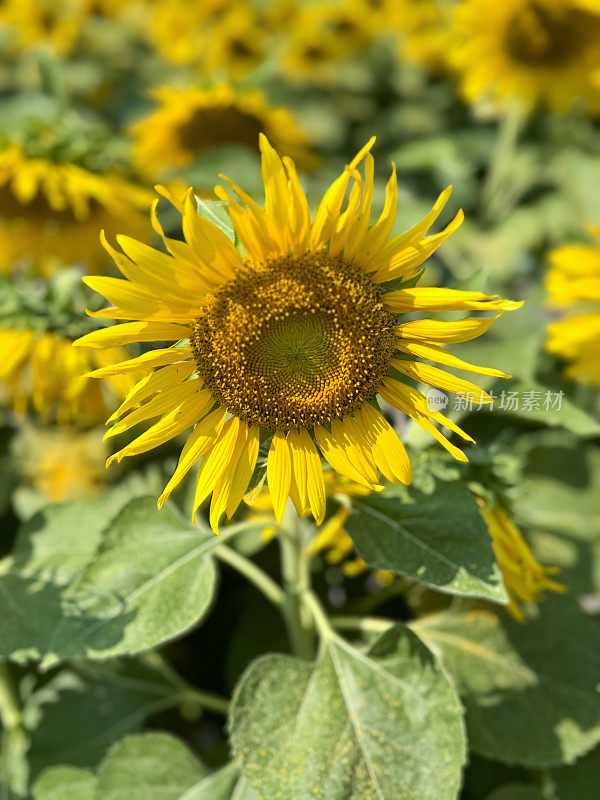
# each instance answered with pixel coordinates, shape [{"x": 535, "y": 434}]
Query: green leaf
[
  {"x": 60, "y": 783},
  {"x": 151, "y": 579},
  {"x": 352, "y": 726},
  {"x": 516, "y": 791},
  {"x": 216, "y": 212},
  {"x": 225, "y": 784},
  {"x": 579, "y": 781},
  {"x": 439, "y": 539},
  {"x": 560, "y": 488},
  {"x": 78, "y": 713},
  {"x": 148, "y": 766},
  {"x": 530, "y": 690}
]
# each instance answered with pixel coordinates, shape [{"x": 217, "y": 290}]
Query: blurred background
[{"x": 100, "y": 100}]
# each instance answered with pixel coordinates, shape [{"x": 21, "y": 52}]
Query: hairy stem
[{"x": 296, "y": 581}]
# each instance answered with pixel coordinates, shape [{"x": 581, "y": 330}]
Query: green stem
[
  {"x": 186, "y": 692},
  {"x": 322, "y": 622},
  {"x": 497, "y": 194},
  {"x": 10, "y": 704},
  {"x": 254, "y": 574},
  {"x": 296, "y": 581}
]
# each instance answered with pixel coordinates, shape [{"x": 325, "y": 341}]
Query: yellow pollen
[{"x": 294, "y": 342}]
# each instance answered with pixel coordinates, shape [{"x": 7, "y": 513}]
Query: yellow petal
[
  {"x": 279, "y": 472},
  {"x": 216, "y": 462}
]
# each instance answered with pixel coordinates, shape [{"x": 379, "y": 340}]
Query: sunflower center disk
[
  {"x": 546, "y": 35},
  {"x": 294, "y": 342}
]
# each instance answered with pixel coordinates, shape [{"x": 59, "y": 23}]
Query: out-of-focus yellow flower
[
  {"x": 179, "y": 29},
  {"x": 533, "y": 50},
  {"x": 46, "y": 374},
  {"x": 524, "y": 579},
  {"x": 53, "y": 212},
  {"x": 52, "y": 23},
  {"x": 190, "y": 120},
  {"x": 422, "y": 27},
  {"x": 574, "y": 281},
  {"x": 323, "y": 35},
  {"x": 61, "y": 463},
  {"x": 236, "y": 45}
]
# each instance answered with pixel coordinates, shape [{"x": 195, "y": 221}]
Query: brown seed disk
[{"x": 294, "y": 342}]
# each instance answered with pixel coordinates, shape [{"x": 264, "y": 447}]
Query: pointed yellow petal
[
  {"x": 279, "y": 472},
  {"x": 216, "y": 462}
]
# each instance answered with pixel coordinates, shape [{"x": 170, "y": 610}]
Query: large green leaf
[
  {"x": 60, "y": 783},
  {"x": 151, "y": 579},
  {"x": 225, "y": 784},
  {"x": 439, "y": 539},
  {"x": 530, "y": 690},
  {"x": 148, "y": 766},
  {"x": 560, "y": 489},
  {"x": 145, "y": 766},
  {"x": 352, "y": 726},
  {"x": 85, "y": 707}
]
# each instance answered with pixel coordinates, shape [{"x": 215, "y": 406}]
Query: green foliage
[
  {"x": 438, "y": 538},
  {"x": 149, "y": 579},
  {"x": 530, "y": 691},
  {"x": 354, "y": 725}
]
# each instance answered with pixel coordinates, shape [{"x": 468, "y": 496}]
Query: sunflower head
[
  {"x": 533, "y": 50},
  {"x": 290, "y": 342}
]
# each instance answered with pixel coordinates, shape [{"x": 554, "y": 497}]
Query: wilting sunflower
[
  {"x": 533, "y": 50},
  {"x": 574, "y": 282},
  {"x": 190, "y": 120},
  {"x": 292, "y": 341},
  {"x": 44, "y": 373},
  {"x": 524, "y": 579},
  {"x": 51, "y": 212}
]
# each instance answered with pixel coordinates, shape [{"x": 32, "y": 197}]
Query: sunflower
[
  {"x": 574, "y": 281},
  {"x": 43, "y": 372},
  {"x": 61, "y": 463},
  {"x": 422, "y": 27},
  {"x": 237, "y": 44},
  {"x": 323, "y": 35},
  {"x": 51, "y": 211},
  {"x": 524, "y": 579},
  {"x": 190, "y": 120},
  {"x": 52, "y": 23},
  {"x": 533, "y": 50},
  {"x": 178, "y": 28},
  {"x": 290, "y": 342}
]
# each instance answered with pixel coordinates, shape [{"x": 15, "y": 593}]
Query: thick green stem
[
  {"x": 362, "y": 624},
  {"x": 254, "y": 574},
  {"x": 296, "y": 581},
  {"x": 15, "y": 740}
]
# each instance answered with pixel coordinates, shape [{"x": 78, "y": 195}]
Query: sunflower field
[{"x": 299, "y": 399}]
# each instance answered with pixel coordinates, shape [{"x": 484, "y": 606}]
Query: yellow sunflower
[
  {"x": 51, "y": 212},
  {"x": 52, "y": 23},
  {"x": 524, "y": 579},
  {"x": 236, "y": 45},
  {"x": 534, "y": 50},
  {"x": 43, "y": 372},
  {"x": 324, "y": 34},
  {"x": 178, "y": 28},
  {"x": 574, "y": 281},
  {"x": 422, "y": 27},
  {"x": 61, "y": 463},
  {"x": 292, "y": 341},
  {"x": 190, "y": 120}
]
